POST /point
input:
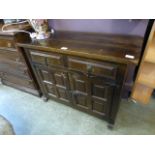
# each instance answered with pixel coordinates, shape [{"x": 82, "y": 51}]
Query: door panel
[
  {"x": 63, "y": 94},
  {"x": 80, "y": 88},
  {"x": 98, "y": 106},
  {"x": 91, "y": 93},
  {"x": 55, "y": 83},
  {"x": 51, "y": 89},
  {"x": 81, "y": 100},
  {"x": 101, "y": 96}
]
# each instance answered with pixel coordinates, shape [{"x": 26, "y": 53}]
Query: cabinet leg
[
  {"x": 45, "y": 99},
  {"x": 111, "y": 123},
  {"x": 110, "y": 126}
]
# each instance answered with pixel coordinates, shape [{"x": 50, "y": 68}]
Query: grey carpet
[{"x": 31, "y": 115}]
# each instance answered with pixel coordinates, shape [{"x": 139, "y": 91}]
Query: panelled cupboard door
[
  {"x": 80, "y": 88},
  {"x": 91, "y": 94},
  {"x": 54, "y": 83}
]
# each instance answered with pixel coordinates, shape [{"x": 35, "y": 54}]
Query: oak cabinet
[
  {"x": 89, "y": 74},
  {"x": 85, "y": 84}
]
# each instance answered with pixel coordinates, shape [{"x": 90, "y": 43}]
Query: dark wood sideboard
[
  {"x": 90, "y": 75},
  {"x": 14, "y": 70}
]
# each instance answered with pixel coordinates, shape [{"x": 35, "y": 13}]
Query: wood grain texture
[
  {"x": 92, "y": 46},
  {"x": 89, "y": 75},
  {"x": 142, "y": 93},
  {"x": 100, "y": 47}
]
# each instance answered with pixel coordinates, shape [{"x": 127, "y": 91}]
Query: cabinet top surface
[{"x": 94, "y": 46}]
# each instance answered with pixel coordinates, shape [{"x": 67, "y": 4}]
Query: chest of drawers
[{"x": 14, "y": 70}]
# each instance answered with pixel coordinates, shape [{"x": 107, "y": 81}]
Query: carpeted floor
[{"x": 31, "y": 115}]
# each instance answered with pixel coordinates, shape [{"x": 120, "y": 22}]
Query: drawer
[
  {"x": 14, "y": 68},
  {"x": 17, "y": 80},
  {"x": 47, "y": 59},
  {"x": 6, "y": 55},
  {"x": 104, "y": 69},
  {"x": 94, "y": 67},
  {"x": 7, "y": 43}
]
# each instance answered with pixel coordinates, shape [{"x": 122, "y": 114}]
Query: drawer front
[
  {"x": 6, "y": 55},
  {"x": 7, "y": 43},
  {"x": 15, "y": 68},
  {"x": 77, "y": 64},
  {"x": 17, "y": 80},
  {"x": 105, "y": 69},
  {"x": 47, "y": 59}
]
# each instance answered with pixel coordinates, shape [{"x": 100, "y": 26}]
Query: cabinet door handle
[
  {"x": 92, "y": 76},
  {"x": 63, "y": 75}
]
